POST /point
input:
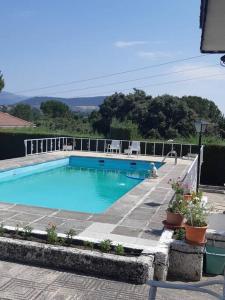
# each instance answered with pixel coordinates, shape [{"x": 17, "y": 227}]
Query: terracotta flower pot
[
  {"x": 195, "y": 235},
  {"x": 175, "y": 219},
  {"x": 187, "y": 197}
]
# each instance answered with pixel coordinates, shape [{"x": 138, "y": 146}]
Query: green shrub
[
  {"x": 52, "y": 236},
  {"x": 27, "y": 230},
  {"x": 119, "y": 249},
  {"x": 69, "y": 235},
  {"x": 89, "y": 245},
  {"x": 123, "y": 130},
  {"x": 106, "y": 245},
  {"x": 2, "y": 230}
]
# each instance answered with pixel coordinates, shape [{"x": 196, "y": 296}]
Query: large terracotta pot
[
  {"x": 187, "y": 197},
  {"x": 174, "y": 219},
  {"x": 195, "y": 235}
]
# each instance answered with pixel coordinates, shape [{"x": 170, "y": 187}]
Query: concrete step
[{"x": 212, "y": 189}]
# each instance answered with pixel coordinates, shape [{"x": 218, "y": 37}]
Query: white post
[
  {"x": 37, "y": 146},
  {"x": 31, "y": 147},
  {"x": 25, "y": 144}
]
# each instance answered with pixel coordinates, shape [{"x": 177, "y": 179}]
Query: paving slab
[{"x": 22, "y": 282}]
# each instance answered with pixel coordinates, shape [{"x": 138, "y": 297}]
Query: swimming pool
[{"x": 76, "y": 183}]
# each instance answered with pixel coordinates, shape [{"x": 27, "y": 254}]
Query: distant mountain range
[
  {"x": 83, "y": 104},
  {"x": 9, "y": 98}
]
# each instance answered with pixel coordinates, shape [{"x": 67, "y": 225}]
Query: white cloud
[
  {"x": 200, "y": 70},
  {"x": 125, "y": 44},
  {"x": 154, "y": 54}
]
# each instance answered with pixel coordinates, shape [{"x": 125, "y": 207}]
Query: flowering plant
[
  {"x": 177, "y": 205},
  {"x": 179, "y": 187},
  {"x": 196, "y": 214}
]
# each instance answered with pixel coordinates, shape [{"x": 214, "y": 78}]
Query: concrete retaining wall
[
  {"x": 131, "y": 269},
  {"x": 185, "y": 261}
]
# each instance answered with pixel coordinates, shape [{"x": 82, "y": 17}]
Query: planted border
[{"x": 130, "y": 269}]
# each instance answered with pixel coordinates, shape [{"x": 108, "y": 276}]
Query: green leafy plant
[
  {"x": 177, "y": 185},
  {"x": 61, "y": 241},
  {"x": 27, "y": 230},
  {"x": 52, "y": 236},
  {"x": 17, "y": 229},
  {"x": 89, "y": 245},
  {"x": 179, "y": 234},
  {"x": 2, "y": 229},
  {"x": 106, "y": 245},
  {"x": 69, "y": 235},
  {"x": 196, "y": 214},
  {"x": 177, "y": 205},
  {"x": 119, "y": 249}
]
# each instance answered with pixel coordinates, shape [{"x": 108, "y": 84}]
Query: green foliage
[
  {"x": 2, "y": 83},
  {"x": 54, "y": 109},
  {"x": 196, "y": 214},
  {"x": 119, "y": 249},
  {"x": 89, "y": 245},
  {"x": 2, "y": 230},
  {"x": 126, "y": 130},
  {"x": 177, "y": 204},
  {"x": 106, "y": 245},
  {"x": 69, "y": 235},
  {"x": 163, "y": 116},
  {"x": 52, "y": 236},
  {"x": 179, "y": 234},
  {"x": 17, "y": 229},
  {"x": 27, "y": 230},
  {"x": 25, "y": 111}
]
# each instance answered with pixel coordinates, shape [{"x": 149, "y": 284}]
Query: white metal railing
[
  {"x": 197, "y": 287},
  {"x": 45, "y": 145},
  {"x": 191, "y": 175}
]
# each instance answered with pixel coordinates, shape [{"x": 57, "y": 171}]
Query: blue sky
[{"x": 47, "y": 42}]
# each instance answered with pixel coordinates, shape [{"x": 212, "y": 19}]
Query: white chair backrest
[
  {"x": 115, "y": 144},
  {"x": 135, "y": 145}
]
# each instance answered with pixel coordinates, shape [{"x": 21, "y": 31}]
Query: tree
[
  {"x": 54, "y": 109},
  {"x": 23, "y": 111},
  {"x": 2, "y": 83}
]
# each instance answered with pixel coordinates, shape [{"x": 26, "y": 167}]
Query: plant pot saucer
[
  {"x": 171, "y": 226},
  {"x": 195, "y": 243}
]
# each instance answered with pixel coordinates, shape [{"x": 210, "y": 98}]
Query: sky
[{"x": 63, "y": 43}]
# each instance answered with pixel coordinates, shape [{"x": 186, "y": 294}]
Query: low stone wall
[
  {"x": 131, "y": 269},
  {"x": 185, "y": 261}
]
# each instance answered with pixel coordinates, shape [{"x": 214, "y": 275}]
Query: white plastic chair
[
  {"x": 134, "y": 147},
  {"x": 114, "y": 146}
]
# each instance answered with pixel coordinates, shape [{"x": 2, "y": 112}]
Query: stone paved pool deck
[
  {"x": 22, "y": 282},
  {"x": 134, "y": 220}
]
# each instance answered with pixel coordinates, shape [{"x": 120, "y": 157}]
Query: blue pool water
[{"x": 76, "y": 183}]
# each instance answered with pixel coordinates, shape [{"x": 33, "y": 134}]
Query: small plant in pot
[
  {"x": 175, "y": 211},
  {"x": 187, "y": 192},
  {"x": 196, "y": 223}
]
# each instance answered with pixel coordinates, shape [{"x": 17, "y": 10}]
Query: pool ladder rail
[{"x": 172, "y": 153}]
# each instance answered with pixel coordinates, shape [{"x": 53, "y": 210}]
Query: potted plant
[
  {"x": 196, "y": 222},
  {"x": 175, "y": 211},
  {"x": 187, "y": 193}
]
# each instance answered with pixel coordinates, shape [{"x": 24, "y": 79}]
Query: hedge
[
  {"x": 12, "y": 144},
  {"x": 213, "y": 167}
]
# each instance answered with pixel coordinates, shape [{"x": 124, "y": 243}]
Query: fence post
[{"x": 25, "y": 144}]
